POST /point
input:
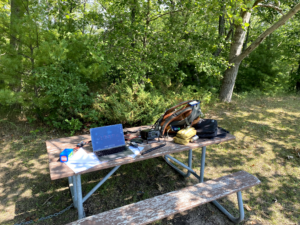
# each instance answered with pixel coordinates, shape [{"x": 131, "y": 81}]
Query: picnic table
[{"x": 235, "y": 183}]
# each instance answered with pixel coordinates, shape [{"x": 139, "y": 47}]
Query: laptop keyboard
[{"x": 111, "y": 151}]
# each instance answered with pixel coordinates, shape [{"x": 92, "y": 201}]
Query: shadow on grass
[
  {"x": 265, "y": 139},
  {"x": 266, "y": 135}
]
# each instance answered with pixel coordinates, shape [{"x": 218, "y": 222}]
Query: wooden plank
[
  {"x": 60, "y": 170},
  {"x": 162, "y": 206}
]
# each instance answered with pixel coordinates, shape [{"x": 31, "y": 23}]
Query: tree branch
[
  {"x": 256, "y": 3},
  {"x": 261, "y": 37},
  {"x": 219, "y": 50},
  {"x": 103, "y": 6},
  {"x": 26, "y": 56},
  {"x": 228, "y": 34},
  {"x": 271, "y": 6},
  {"x": 166, "y": 14}
]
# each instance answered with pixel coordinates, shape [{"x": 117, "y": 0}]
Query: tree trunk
[
  {"x": 235, "y": 50},
  {"x": 229, "y": 82},
  {"x": 236, "y": 56},
  {"x": 147, "y": 24},
  {"x": 221, "y": 27},
  {"x": 298, "y": 81},
  {"x": 133, "y": 9},
  {"x": 14, "y": 16},
  {"x": 15, "y": 38},
  {"x": 247, "y": 37}
]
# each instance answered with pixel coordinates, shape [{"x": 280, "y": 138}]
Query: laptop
[{"x": 109, "y": 143}]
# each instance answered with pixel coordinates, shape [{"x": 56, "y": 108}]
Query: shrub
[
  {"x": 132, "y": 105},
  {"x": 63, "y": 95}
]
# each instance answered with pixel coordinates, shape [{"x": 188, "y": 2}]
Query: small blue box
[{"x": 66, "y": 154}]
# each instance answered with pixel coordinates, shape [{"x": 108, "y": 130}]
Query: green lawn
[{"x": 267, "y": 131}]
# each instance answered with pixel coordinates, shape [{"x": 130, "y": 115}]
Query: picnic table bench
[{"x": 161, "y": 206}]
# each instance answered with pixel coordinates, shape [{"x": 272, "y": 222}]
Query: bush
[
  {"x": 66, "y": 102},
  {"x": 64, "y": 95},
  {"x": 132, "y": 105},
  {"x": 8, "y": 97}
]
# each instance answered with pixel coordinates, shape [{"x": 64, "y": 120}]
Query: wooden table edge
[{"x": 63, "y": 171}]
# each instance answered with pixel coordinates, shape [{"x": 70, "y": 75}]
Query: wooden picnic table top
[{"x": 60, "y": 170}]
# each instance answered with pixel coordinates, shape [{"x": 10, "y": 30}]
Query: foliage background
[{"x": 75, "y": 63}]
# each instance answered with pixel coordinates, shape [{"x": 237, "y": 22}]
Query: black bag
[{"x": 208, "y": 128}]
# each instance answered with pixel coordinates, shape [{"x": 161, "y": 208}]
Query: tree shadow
[{"x": 260, "y": 149}]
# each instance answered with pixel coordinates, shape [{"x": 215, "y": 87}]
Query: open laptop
[{"x": 109, "y": 143}]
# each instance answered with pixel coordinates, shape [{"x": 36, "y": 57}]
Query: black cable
[{"x": 152, "y": 149}]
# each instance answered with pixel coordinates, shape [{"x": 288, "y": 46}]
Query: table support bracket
[
  {"x": 75, "y": 187},
  {"x": 100, "y": 183},
  {"x": 73, "y": 190},
  {"x": 241, "y": 209},
  {"x": 78, "y": 192},
  {"x": 189, "y": 167},
  {"x": 201, "y": 179}
]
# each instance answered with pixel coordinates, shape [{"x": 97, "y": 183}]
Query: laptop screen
[{"x": 107, "y": 137}]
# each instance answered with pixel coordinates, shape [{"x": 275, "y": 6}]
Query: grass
[{"x": 267, "y": 131}]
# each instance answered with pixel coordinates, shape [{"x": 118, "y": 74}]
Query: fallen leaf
[
  {"x": 130, "y": 197},
  {"x": 247, "y": 207},
  {"x": 159, "y": 187}
]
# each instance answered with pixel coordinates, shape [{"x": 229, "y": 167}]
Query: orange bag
[{"x": 175, "y": 119}]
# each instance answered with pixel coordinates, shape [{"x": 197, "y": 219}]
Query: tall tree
[
  {"x": 236, "y": 55},
  {"x": 17, "y": 10}
]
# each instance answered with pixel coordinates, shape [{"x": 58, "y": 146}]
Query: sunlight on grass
[{"x": 266, "y": 130}]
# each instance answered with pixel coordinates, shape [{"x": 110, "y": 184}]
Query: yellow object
[
  {"x": 184, "y": 136},
  {"x": 187, "y": 133},
  {"x": 181, "y": 141}
]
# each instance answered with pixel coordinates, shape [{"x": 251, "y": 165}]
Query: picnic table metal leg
[
  {"x": 189, "y": 167},
  {"x": 73, "y": 189},
  {"x": 167, "y": 157},
  {"x": 76, "y": 191},
  {"x": 202, "y": 164},
  {"x": 231, "y": 217},
  {"x": 201, "y": 179},
  {"x": 79, "y": 196},
  {"x": 100, "y": 183},
  {"x": 216, "y": 203}
]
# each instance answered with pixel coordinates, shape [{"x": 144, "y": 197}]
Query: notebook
[{"x": 109, "y": 143}]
